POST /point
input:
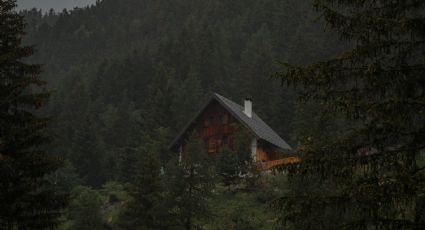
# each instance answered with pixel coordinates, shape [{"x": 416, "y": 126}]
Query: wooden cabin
[{"x": 217, "y": 122}]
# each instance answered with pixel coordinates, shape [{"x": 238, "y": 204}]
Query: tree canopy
[
  {"x": 27, "y": 199},
  {"x": 373, "y": 168}
]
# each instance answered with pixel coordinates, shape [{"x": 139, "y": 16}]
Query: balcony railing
[{"x": 272, "y": 164}]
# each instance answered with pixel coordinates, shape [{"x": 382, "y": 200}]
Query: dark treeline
[
  {"x": 124, "y": 73},
  {"x": 124, "y": 77}
]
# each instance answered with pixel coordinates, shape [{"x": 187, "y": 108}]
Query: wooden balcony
[{"x": 275, "y": 163}]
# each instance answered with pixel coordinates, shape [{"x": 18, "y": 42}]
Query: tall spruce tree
[
  {"x": 228, "y": 166},
  {"x": 374, "y": 170},
  {"x": 86, "y": 156},
  {"x": 242, "y": 147},
  {"x": 85, "y": 209},
  {"x": 188, "y": 99},
  {"x": 143, "y": 211},
  {"x": 189, "y": 184},
  {"x": 27, "y": 199}
]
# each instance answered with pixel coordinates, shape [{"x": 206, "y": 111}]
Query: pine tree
[
  {"x": 228, "y": 166},
  {"x": 27, "y": 199},
  {"x": 189, "y": 184},
  {"x": 158, "y": 103},
  {"x": 85, "y": 210},
  {"x": 257, "y": 65},
  {"x": 143, "y": 211},
  {"x": 242, "y": 147},
  {"x": 86, "y": 156},
  {"x": 127, "y": 168},
  {"x": 187, "y": 100},
  {"x": 374, "y": 168}
]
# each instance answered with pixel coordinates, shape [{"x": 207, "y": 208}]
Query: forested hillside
[
  {"x": 124, "y": 73},
  {"x": 127, "y": 75},
  {"x": 87, "y": 121}
]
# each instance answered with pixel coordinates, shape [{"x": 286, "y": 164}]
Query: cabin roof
[{"x": 255, "y": 124}]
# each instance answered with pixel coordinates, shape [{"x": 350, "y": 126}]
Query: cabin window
[
  {"x": 224, "y": 119},
  {"x": 225, "y": 140}
]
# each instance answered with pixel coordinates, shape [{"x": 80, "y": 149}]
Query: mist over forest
[
  {"x": 186, "y": 114},
  {"x": 57, "y": 5}
]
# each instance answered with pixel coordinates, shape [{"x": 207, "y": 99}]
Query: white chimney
[{"x": 248, "y": 107}]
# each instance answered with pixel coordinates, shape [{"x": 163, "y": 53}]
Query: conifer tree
[
  {"x": 86, "y": 156},
  {"x": 85, "y": 210},
  {"x": 228, "y": 166},
  {"x": 189, "y": 184},
  {"x": 374, "y": 167},
  {"x": 257, "y": 64},
  {"x": 127, "y": 168},
  {"x": 27, "y": 199},
  {"x": 144, "y": 209},
  {"x": 188, "y": 99},
  {"x": 242, "y": 147}
]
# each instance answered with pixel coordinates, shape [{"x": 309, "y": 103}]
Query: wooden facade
[
  {"x": 217, "y": 127},
  {"x": 266, "y": 152},
  {"x": 217, "y": 123}
]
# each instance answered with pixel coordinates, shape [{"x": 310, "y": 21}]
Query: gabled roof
[{"x": 257, "y": 126}]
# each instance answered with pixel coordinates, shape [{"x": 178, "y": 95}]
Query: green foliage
[
  {"x": 127, "y": 168},
  {"x": 113, "y": 192},
  {"x": 368, "y": 176},
  {"x": 65, "y": 178},
  {"x": 143, "y": 210},
  {"x": 85, "y": 210},
  {"x": 227, "y": 166},
  {"x": 86, "y": 156},
  {"x": 152, "y": 67},
  {"x": 189, "y": 184},
  {"x": 188, "y": 99},
  {"x": 235, "y": 221},
  {"x": 127, "y": 75},
  {"x": 242, "y": 142},
  {"x": 27, "y": 199},
  {"x": 238, "y": 210}
]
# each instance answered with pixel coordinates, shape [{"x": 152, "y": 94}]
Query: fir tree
[
  {"x": 373, "y": 169},
  {"x": 85, "y": 210},
  {"x": 27, "y": 199},
  {"x": 242, "y": 147},
  {"x": 86, "y": 156},
  {"x": 187, "y": 100},
  {"x": 127, "y": 168},
  {"x": 143, "y": 211},
  {"x": 228, "y": 166},
  {"x": 189, "y": 184}
]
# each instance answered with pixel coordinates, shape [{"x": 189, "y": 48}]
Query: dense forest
[
  {"x": 124, "y": 77},
  {"x": 124, "y": 73},
  {"x": 130, "y": 74}
]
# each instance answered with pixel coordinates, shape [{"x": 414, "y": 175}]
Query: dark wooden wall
[{"x": 216, "y": 126}]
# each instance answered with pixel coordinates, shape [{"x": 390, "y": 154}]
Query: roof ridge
[{"x": 256, "y": 125}]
